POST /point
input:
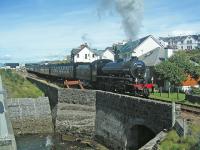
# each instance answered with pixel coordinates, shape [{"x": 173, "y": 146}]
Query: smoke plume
[
  {"x": 131, "y": 12},
  {"x": 86, "y": 39}
]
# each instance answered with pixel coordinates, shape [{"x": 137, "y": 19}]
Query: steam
[
  {"x": 131, "y": 12},
  {"x": 86, "y": 39}
]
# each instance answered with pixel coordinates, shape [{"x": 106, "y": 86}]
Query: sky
[{"x": 38, "y": 30}]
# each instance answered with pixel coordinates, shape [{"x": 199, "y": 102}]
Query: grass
[
  {"x": 166, "y": 97},
  {"x": 172, "y": 98},
  {"x": 17, "y": 86},
  {"x": 174, "y": 142}
]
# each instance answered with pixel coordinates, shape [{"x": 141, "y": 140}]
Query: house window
[
  {"x": 77, "y": 55},
  {"x": 93, "y": 55},
  {"x": 181, "y": 47},
  {"x": 85, "y": 56}
]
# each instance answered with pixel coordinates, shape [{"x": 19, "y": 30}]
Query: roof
[
  {"x": 179, "y": 38},
  {"x": 95, "y": 51},
  {"x": 154, "y": 57},
  {"x": 81, "y": 47},
  {"x": 131, "y": 45},
  {"x": 190, "y": 81},
  {"x": 100, "y": 52}
]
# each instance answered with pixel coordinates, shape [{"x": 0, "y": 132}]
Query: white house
[
  {"x": 188, "y": 42},
  {"x": 85, "y": 54},
  {"x": 106, "y": 54},
  {"x": 139, "y": 47}
]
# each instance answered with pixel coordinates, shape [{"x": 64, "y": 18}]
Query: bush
[{"x": 196, "y": 91}]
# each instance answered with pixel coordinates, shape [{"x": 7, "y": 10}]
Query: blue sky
[{"x": 35, "y": 30}]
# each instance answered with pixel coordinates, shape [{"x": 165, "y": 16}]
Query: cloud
[{"x": 6, "y": 57}]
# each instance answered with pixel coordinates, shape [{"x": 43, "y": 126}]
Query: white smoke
[
  {"x": 131, "y": 12},
  {"x": 86, "y": 39}
]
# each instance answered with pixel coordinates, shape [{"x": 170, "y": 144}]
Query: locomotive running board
[
  {"x": 70, "y": 83},
  {"x": 111, "y": 77}
]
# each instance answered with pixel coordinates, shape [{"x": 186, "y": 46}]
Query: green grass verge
[
  {"x": 172, "y": 98},
  {"x": 166, "y": 97},
  {"x": 190, "y": 142},
  {"x": 17, "y": 86}
]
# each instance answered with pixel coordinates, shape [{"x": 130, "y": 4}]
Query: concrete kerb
[{"x": 7, "y": 138}]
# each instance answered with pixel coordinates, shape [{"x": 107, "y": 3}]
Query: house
[
  {"x": 156, "y": 56},
  {"x": 188, "y": 42},
  {"x": 85, "y": 54},
  {"x": 151, "y": 59},
  {"x": 139, "y": 47},
  {"x": 106, "y": 54},
  {"x": 11, "y": 65}
]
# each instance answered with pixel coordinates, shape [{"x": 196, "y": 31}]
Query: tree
[
  {"x": 171, "y": 72},
  {"x": 182, "y": 60}
]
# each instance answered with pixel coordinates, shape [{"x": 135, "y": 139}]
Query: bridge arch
[{"x": 138, "y": 132}]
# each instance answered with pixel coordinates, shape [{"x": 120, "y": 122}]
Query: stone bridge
[
  {"x": 117, "y": 121},
  {"x": 125, "y": 122}
]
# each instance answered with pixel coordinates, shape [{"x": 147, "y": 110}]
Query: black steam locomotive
[{"x": 121, "y": 76}]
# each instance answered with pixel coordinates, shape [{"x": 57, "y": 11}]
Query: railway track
[
  {"x": 184, "y": 107},
  {"x": 191, "y": 109}
]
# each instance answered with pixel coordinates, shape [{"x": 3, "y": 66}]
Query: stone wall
[
  {"x": 73, "y": 110},
  {"x": 153, "y": 144},
  {"x": 77, "y": 96},
  {"x": 50, "y": 90},
  {"x": 76, "y": 112},
  {"x": 193, "y": 98},
  {"x": 30, "y": 116},
  {"x": 123, "y": 121}
]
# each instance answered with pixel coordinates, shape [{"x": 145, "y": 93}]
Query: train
[{"x": 120, "y": 76}]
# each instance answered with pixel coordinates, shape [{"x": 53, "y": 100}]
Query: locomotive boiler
[{"x": 132, "y": 68}]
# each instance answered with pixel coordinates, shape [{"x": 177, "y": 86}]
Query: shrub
[{"x": 196, "y": 91}]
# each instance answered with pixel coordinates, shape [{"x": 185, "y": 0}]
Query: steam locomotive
[{"x": 121, "y": 76}]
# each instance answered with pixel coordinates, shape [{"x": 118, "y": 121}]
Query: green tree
[
  {"x": 183, "y": 60},
  {"x": 171, "y": 72}
]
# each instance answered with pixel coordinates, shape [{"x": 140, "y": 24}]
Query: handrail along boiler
[{"x": 120, "y": 76}]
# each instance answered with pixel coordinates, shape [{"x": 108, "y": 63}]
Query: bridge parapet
[
  {"x": 7, "y": 139},
  {"x": 125, "y": 122}
]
